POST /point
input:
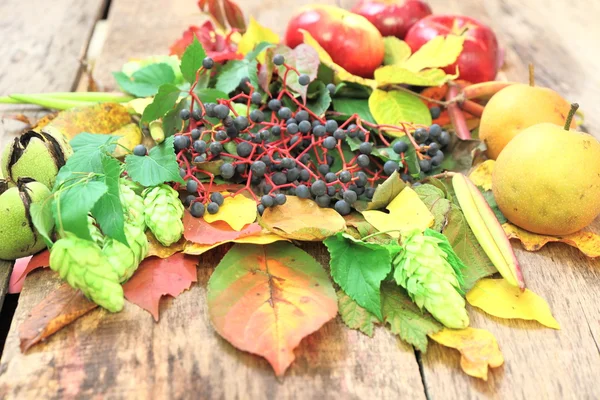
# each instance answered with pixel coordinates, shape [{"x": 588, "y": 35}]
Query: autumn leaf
[
  {"x": 61, "y": 307},
  {"x": 197, "y": 230},
  {"x": 157, "y": 277},
  {"x": 439, "y": 52},
  {"x": 500, "y": 299},
  {"x": 396, "y": 75},
  {"x": 340, "y": 73},
  {"x": 478, "y": 348},
  {"x": 130, "y": 136},
  {"x": 237, "y": 211},
  {"x": 386, "y": 192},
  {"x": 302, "y": 219},
  {"x": 405, "y": 318},
  {"x": 23, "y": 266},
  {"x": 436, "y": 202},
  {"x": 362, "y": 228},
  {"x": 482, "y": 174},
  {"x": 406, "y": 212},
  {"x": 304, "y": 59},
  {"x": 266, "y": 299},
  {"x": 255, "y": 34},
  {"x": 396, "y": 51},
  {"x": 264, "y": 237},
  {"x": 157, "y": 249},
  {"x": 394, "y": 107},
  {"x": 354, "y": 316},
  {"x": 102, "y": 118}
]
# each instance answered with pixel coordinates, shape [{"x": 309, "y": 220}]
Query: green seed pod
[
  {"x": 81, "y": 263},
  {"x": 34, "y": 155},
  {"x": 18, "y": 236},
  {"x": 133, "y": 206},
  {"x": 163, "y": 212},
  {"x": 423, "y": 270}
]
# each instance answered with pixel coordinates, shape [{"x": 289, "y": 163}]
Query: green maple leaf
[
  {"x": 159, "y": 166},
  {"x": 147, "y": 80},
  {"x": 191, "y": 61},
  {"x": 404, "y": 318},
  {"x": 355, "y": 316},
  {"x": 359, "y": 267},
  {"x": 234, "y": 71}
]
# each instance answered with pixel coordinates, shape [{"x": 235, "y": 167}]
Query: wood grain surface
[{"x": 127, "y": 355}]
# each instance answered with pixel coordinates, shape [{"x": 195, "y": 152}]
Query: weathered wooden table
[{"x": 128, "y": 355}]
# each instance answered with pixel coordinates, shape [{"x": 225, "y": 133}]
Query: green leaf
[
  {"x": 349, "y": 107},
  {"x": 436, "y": 202},
  {"x": 88, "y": 152},
  {"x": 159, "y": 166},
  {"x": 72, "y": 205},
  {"x": 396, "y": 51},
  {"x": 191, "y": 61},
  {"x": 172, "y": 122},
  {"x": 163, "y": 102},
  {"x": 405, "y": 318},
  {"x": 211, "y": 95},
  {"x": 467, "y": 248},
  {"x": 386, "y": 192},
  {"x": 359, "y": 267},
  {"x": 488, "y": 195},
  {"x": 352, "y": 90},
  {"x": 410, "y": 157},
  {"x": 147, "y": 80},
  {"x": 41, "y": 216},
  {"x": 90, "y": 142},
  {"x": 322, "y": 102},
  {"x": 460, "y": 155},
  {"x": 108, "y": 211},
  {"x": 234, "y": 71},
  {"x": 354, "y": 316},
  {"x": 394, "y": 107},
  {"x": 259, "y": 48}
]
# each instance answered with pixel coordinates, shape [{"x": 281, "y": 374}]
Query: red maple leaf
[
  {"x": 24, "y": 266},
  {"x": 199, "y": 231},
  {"x": 218, "y": 47},
  {"x": 157, "y": 277}
]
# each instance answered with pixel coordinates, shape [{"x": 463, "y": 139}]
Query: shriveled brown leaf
[
  {"x": 61, "y": 307},
  {"x": 158, "y": 250}
]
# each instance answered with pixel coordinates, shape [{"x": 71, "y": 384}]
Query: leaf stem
[
  {"x": 572, "y": 112},
  {"x": 380, "y": 233}
]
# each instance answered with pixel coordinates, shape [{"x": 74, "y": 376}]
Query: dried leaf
[
  {"x": 61, "y": 307},
  {"x": 157, "y": 277},
  {"x": 197, "y": 230},
  {"x": 255, "y": 34},
  {"x": 482, "y": 174},
  {"x": 340, "y": 73},
  {"x": 23, "y": 266},
  {"x": 406, "y": 212},
  {"x": 266, "y": 299},
  {"x": 102, "y": 118},
  {"x": 500, "y": 299},
  {"x": 265, "y": 237},
  {"x": 478, "y": 348},
  {"x": 157, "y": 249},
  {"x": 237, "y": 211},
  {"x": 302, "y": 219},
  {"x": 354, "y": 316},
  {"x": 586, "y": 242}
]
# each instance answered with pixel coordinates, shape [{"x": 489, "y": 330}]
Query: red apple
[
  {"x": 478, "y": 61},
  {"x": 393, "y": 17},
  {"x": 350, "y": 39}
]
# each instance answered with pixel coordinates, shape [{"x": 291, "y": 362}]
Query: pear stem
[
  {"x": 572, "y": 112},
  {"x": 531, "y": 75}
]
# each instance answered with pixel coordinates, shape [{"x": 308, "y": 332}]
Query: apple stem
[
  {"x": 531, "y": 75},
  {"x": 572, "y": 112}
]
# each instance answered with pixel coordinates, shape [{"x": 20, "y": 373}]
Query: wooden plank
[
  {"x": 129, "y": 355},
  {"x": 42, "y": 42},
  {"x": 540, "y": 362}
]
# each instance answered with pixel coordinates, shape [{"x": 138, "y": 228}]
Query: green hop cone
[
  {"x": 95, "y": 233},
  {"x": 81, "y": 263},
  {"x": 422, "y": 268},
  {"x": 121, "y": 258},
  {"x": 133, "y": 205},
  {"x": 163, "y": 212}
]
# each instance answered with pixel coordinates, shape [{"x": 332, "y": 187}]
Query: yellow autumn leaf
[
  {"x": 478, "y": 349},
  {"x": 340, "y": 73},
  {"x": 439, "y": 52},
  {"x": 499, "y": 298},
  {"x": 587, "y": 242},
  {"x": 482, "y": 174},
  {"x": 396, "y": 51},
  {"x": 407, "y": 212},
  {"x": 255, "y": 34},
  {"x": 265, "y": 237},
  {"x": 398, "y": 75},
  {"x": 137, "y": 106},
  {"x": 237, "y": 211},
  {"x": 130, "y": 136}
]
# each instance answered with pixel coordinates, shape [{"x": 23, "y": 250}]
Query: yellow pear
[
  {"x": 516, "y": 108},
  {"x": 547, "y": 180}
]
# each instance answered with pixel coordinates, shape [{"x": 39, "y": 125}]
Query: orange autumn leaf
[
  {"x": 478, "y": 349},
  {"x": 156, "y": 248},
  {"x": 23, "y": 266},
  {"x": 61, "y": 307},
  {"x": 302, "y": 219},
  {"x": 266, "y": 299},
  {"x": 199, "y": 231},
  {"x": 587, "y": 242},
  {"x": 265, "y": 237}
]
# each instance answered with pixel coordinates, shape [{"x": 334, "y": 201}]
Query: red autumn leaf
[
  {"x": 266, "y": 299},
  {"x": 217, "y": 46},
  {"x": 199, "y": 231},
  {"x": 157, "y": 277},
  {"x": 24, "y": 266},
  {"x": 61, "y": 307}
]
